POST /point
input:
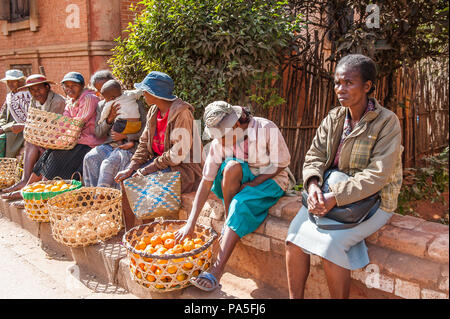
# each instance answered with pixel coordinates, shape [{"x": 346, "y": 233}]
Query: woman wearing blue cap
[
  {"x": 81, "y": 104},
  {"x": 170, "y": 141}
]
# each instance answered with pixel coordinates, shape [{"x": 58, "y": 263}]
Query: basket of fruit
[
  {"x": 85, "y": 216},
  {"x": 37, "y": 194},
  {"x": 8, "y": 172},
  {"x": 158, "y": 263},
  {"x": 51, "y": 130}
]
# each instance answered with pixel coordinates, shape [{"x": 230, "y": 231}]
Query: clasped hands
[{"x": 319, "y": 203}]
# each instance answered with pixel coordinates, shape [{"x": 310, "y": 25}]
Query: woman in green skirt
[{"x": 246, "y": 167}]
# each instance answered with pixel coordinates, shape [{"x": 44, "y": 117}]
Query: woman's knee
[{"x": 232, "y": 171}]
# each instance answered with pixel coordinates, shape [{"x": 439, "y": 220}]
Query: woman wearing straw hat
[
  {"x": 170, "y": 141},
  {"x": 81, "y": 104},
  {"x": 45, "y": 99},
  {"x": 246, "y": 167},
  {"x": 13, "y": 113}
]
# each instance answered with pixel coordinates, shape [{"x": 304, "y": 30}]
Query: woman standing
[{"x": 363, "y": 140}]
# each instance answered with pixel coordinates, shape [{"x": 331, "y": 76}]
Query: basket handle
[{"x": 79, "y": 174}]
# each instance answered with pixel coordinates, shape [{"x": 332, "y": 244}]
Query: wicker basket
[
  {"x": 167, "y": 272},
  {"x": 8, "y": 172},
  {"x": 36, "y": 203},
  {"x": 85, "y": 216},
  {"x": 51, "y": 130}
]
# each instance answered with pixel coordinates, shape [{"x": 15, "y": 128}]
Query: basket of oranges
[
  {"x": 8, "y": 172},
  {"x": 37, "y": 194},
  {"x": 157, "y": 262},
  {"x": 85, "y": 216}
]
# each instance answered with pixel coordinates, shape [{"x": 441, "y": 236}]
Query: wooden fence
[{"x": 418, "y": 95}]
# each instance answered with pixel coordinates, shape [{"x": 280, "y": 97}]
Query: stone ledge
[{"x": 409, "y": 256}]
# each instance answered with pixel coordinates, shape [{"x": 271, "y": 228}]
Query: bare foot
[
  {"x": 15, "y": 187},
  {"x": 12, "y": 195}
]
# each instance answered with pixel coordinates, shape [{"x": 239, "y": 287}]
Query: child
[{"x": 128, "y": 118}]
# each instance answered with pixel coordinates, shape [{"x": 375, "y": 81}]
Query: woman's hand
[
  {"x": 184, "y": 232},
  {"x": 149, "y": 169},
  {"x": 123, "y": 175},
  {"x": 113, "y": 113},
  {"x": 127, "y": 145},
  {"x": 117, "y": 137},
  {"x": 316, "y": 200}
]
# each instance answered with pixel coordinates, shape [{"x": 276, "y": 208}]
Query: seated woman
[
  {"x": 170, "y": 141},
  {"x": 81, "y": 105},
  {"x": 246, "y": 167},
  {"x": 45, "y": 99},
  {"x": 103, "y": 162},
  {"x": 363, "y": 140},
  {"x": 13, "y": 114}
]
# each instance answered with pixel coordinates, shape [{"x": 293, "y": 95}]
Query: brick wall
[
  {"x": 60, "y": 49},
  {"x": 126, "y": 15}
]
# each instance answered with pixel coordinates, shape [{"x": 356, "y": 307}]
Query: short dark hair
[
  {"x": 366, "y": 66},
  {"x": 111, "y": 85},
  {"x": 245, "y": 116}
]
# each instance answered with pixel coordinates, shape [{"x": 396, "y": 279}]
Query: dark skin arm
[{"x": 318, "y": 203}]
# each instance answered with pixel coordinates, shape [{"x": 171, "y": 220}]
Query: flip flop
[
  {"x": 18, "y": 204},
  {"x": 208, "y": 276}
]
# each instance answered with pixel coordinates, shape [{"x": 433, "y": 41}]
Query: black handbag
[{"x": 348, "y": 215}]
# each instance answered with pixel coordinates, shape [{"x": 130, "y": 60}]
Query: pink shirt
[
  {"x": 264, "y": 150},
  {"x": 85, "y": 109}
]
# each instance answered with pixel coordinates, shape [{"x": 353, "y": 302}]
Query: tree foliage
[{"x": 213, "y": 49}]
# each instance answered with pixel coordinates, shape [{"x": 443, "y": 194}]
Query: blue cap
[
  {"x": 74, "y": 77},
  {"x": 158, "y": 84}
]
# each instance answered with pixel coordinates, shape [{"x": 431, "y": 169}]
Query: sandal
[{"x": 208, "y": 276}]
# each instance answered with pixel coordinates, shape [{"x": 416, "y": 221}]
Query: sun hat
[
  {"x": 12, "y": 75},
  {"x": 220, "y": 115},
  {"x": 158, "y": 84},
  {"x": 74, "y": 77},
  {"x": 35, "y": 79}
]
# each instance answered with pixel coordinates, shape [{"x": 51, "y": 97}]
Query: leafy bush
[
  {"x": 425, "y": 183},
  {"x": 213, "y": 49}
]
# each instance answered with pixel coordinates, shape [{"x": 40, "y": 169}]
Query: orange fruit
[
  {"x": 206, "y": 266},
  {"x": 188, "y": 265},
  {"x": 133, "y": 262},
  {"x": 195, "y": 273},
  {"x": 138, "y": 274},
  {"x": 167, "y": 235},
  {"x": 200, "y": 262},
  {"x": 159, "y": 286},
  {"x": 155, "y": 240},
  {"x": 153, "y": 268},
  {"x": 142, "y": 266},
  {"x": 64, "y": 187},
  {"x": 169, "y": 243},
  {"x": 141, "y": 246},
  {"x": 188, "y": 245},
  {"x": 198, "y": 241},
  {"x": 177, "y": 249},
  {"x": 150, "y": 278},
  {"x": 158, "y": 271},
  {"x": 146, "y": 239},
  {"x": 181, "y": 277},
  {"x": 172, "y": 269}
]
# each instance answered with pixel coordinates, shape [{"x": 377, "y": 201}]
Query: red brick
[
  {"x": 433, "y": 228},
  {"x": 290, "y": 210},
  {"x": 404, "y": 240},
  {"x": 408, "y": 222},
  {"x": 412, "y": 268},
  {"x": 438, "y": 249}
]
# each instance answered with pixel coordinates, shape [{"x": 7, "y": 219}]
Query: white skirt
[{"x": 345, "y": 247}]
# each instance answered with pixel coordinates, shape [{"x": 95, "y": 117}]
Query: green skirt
[
  {"x": 249, "y": 207},
  {"x": 2, "y": 145}
]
